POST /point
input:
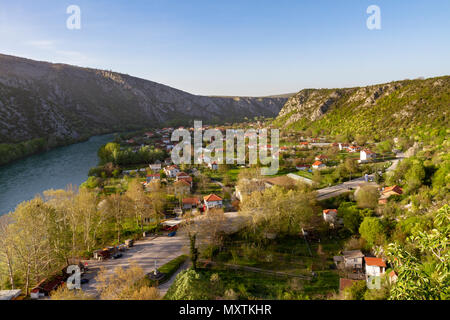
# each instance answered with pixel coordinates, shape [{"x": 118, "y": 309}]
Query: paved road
[
  {"x": 336, "y": 190},
  {"x": 144, "y": 253}
]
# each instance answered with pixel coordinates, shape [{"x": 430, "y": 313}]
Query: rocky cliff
[{"x": 63, "y": 102}]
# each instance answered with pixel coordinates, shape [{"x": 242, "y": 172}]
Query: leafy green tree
[
  {"x": 367, "y": 197},
  {"x": 371, "y": 229},
  {"x": 351, "y": 216},
  {"x": 423, "y": 266},
  {"x": 193, "y": 250}
]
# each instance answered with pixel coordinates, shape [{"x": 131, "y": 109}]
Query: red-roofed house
[
  {"x": 318, "y": 165},
  {"x": 367, "y": 155},
  {"x": 389, "y": 191},
  {"x": 171, "y": 171},
  {"x": 329, "y": 215},
  {"x": 321, "y": 157},
  {"x": 181, "y": 187},
  {"x": 212, "y": 201},
  {"x": 213, "y": 165},
  {"x": 153, "y": 177},
  {"x": 374, "y": 266},
  {"x": 393, "y": 276}
]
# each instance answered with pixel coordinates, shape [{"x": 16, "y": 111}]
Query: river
[{"x": 55, "y": 169}]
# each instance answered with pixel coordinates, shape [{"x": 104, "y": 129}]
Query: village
[{"x": 335, "y": 172}]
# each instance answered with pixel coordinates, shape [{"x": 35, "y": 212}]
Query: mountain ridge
[
  {"x": 59, "y": 101},
  {"x": 405, "y": 107}
]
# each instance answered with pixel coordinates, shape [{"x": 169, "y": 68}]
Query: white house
[
  {"x": 366, "y": 155},
  {"x": 329, "y": 215},
  {"x": 171, "y": 171},
  {"x": 212, "y": 201},
  {"x": 318, "y": 165},
  {"x": 213, "y": 165},
  {"x": 155, "y": 167},
  {"x": 374, "y": 266}
]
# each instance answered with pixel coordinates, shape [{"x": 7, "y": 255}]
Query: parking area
[{"x": 144, "y": 253}]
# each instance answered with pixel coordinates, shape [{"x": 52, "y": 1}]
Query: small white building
[
  {"x": 318, "y": 165},
  {"x": 171, "y": 171},
  {"x": 212, "y": 201},
  {"x": 367, "y": 155},
  {"x": 155, "y": 167},
  {"x": 375, "y": 267},
  {"x": 330, "y": 215},
  {"x": 213, "y": 165}
]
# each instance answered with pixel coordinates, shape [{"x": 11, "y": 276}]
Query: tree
[
  {"x": 124, "y": 284},
  {"x": 63, "y": 293},
  {"x": 193, "y": 250},
  {"x": 423, "y": 265},
  {"x": 351, "y": 216},
  {"x": 140, "y": 202},
  {"x": 117, "y": 206},
  {"x": 6, "y": 248},
  {"x": 372, "y": 231},
  {"x": 351, "y": 166},
  {"x": 367, "y": 197},
  {"x": 414, "y": 177}
]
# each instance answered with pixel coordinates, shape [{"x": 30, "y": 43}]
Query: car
[{"x": 117, "y": 255}]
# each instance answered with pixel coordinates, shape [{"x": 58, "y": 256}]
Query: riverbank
[{"x": 55, "y": 169}]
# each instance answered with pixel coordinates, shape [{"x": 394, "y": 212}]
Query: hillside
[
  {"x": 44, "y": 105},
  {"x": 402, "y": 108}
]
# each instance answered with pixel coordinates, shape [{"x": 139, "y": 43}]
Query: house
[
  {"x": 212, "y": 201},
  {"x": 375, "y": 267},
  {"x": 153, "y": 177},
  {"x": 353, "y": 149},
  {"x": 213, "y": 165},
  {"x": 393, "y": 276},
  {"x": 318, "y": 165},
  {"x": 389, "y": 191},
  {"x": 321, "y": 158},
  {"x": 304, "y": 145},
  {"x": 353, "y": 259},
  {"x": 182, "y": 176},
  {"x": 181, "y": 187},
  {"x": 366, "y": 155},
  {"x": 171, "y": 171},
  {"x": 302, "y": 167},
  {"x": 190, "y": 203},
  {"x": 155, "y": 167},
  {"x": 343, "y": 146},
  {"x": 392, "y": 191},
  {"x": 329, "y": 215}
]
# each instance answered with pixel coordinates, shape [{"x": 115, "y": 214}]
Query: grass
[
  {"x": 290, "y": 255},
  {"x": 170, "y": 268}
]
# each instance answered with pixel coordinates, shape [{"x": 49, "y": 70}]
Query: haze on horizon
[{"x": 226, "y": 48}]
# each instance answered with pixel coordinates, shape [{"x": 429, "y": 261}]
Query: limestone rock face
[{"x": 40, "y": 99}]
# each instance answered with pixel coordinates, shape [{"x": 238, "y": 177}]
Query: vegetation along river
[{"x": 55, "y": 169}]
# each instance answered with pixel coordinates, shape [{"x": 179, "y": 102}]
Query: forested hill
[
  {"x": 415, "y": 108},
  {"x": 40, "y": 99}
]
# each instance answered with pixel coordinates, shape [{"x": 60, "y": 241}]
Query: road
[{"x": 336, "y": 190}]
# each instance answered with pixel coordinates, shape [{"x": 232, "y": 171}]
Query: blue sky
[{"x": 237, "y": 47}]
